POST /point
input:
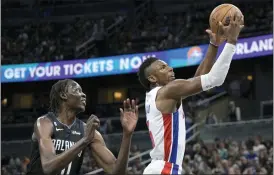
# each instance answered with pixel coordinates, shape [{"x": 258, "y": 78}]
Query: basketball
[{"x": 222, "y": 13}]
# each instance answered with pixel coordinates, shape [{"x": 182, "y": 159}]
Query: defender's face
[
  {"x": 161, "y": 73},
  {"x": 76, "y": 99}
]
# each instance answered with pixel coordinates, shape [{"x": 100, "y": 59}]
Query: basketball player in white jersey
[{"x": 164, "y": 112}]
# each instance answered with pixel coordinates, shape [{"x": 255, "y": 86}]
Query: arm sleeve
[{"x": 219, "y": 70}]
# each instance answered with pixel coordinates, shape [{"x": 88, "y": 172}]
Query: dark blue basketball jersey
[{"x": 63, "y": 138}]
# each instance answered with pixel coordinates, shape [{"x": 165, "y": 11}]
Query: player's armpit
[
  {"x": 102, "y": 155},
  {"x": 181, "y": 88},
  {"x": 52, "y": 163}
]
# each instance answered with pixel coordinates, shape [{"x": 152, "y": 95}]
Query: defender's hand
[
  {"x": 129, "y": 116},
  {"x": 92, "y": 124}
]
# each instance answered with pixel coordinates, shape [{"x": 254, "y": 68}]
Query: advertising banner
[{"x": 123, "y": 64}]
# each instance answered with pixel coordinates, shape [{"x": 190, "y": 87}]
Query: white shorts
[{"x": 162, "y": 167}]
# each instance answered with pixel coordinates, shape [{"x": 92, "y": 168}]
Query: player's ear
[
  {"x": 63, "y": 96},
  {"x": 152, "y": 79}
]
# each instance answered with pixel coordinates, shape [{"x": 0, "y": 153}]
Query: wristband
[{"x": 213, "y": 44}]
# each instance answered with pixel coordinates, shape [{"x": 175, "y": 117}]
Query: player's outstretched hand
[
  {"x": 92, "y": 124},
  {"x": 234, "y": 28},
  {"x": 129, "y": 116},
  {"x": 215, "y": 39}
]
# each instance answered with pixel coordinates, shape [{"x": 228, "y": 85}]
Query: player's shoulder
[
  {"x": 165, "y": 91},
  {"x": 43, "y": 121},
  {"x": 155, "y": 89},
  {"x": 153, "y": 92},
  {"x": 160, "y": 93},
  {"x": 43, "y": 127}
]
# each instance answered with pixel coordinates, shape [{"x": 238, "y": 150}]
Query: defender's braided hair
[{"x": 55, "y": 99}]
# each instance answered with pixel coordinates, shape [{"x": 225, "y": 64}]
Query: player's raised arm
[
  {"x": 216, "y": 77},
  {"x": 208, "y": 61},
  {"x": 157, "y": 73},
  {"x": 181, "y": 88},
  {"x": 103, "y": 156},
  {"x": 216, "y": 38},
  {"x": 52, "y": 163}
]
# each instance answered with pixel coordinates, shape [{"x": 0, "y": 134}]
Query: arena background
[{"x": 100, "y": 44}]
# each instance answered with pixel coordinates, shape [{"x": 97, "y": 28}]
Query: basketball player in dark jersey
[{"x": 59, "y": 138}]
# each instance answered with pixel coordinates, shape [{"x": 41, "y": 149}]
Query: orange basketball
[{"x": 222, "y": 13}]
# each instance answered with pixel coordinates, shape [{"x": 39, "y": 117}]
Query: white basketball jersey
[{"x": 167, "y": 131}]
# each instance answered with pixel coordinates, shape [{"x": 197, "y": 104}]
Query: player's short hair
[
  {"x": 142, "y": 74},
  {"x": 55, "y": 99}
]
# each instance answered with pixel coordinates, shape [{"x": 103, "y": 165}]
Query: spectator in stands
[
  {"x": 211, "y": 118},
  {"x": 135, "y": 151},
  {"x": 107, "y": 127},
  {"x": 12, "y": 166},
  {"x": 223, "y": 151},
  {"x": 99, "y": 35},
  {"x": 87, "y": 163},
  {"x": 137, "y": 167},
  {"x": 235, "y": 88},
  {"x": 52, "y": 41},
  {"x": 201, "y": 159},
  {"x": 25, "y": 163},
  {"x": 258, "y": 146},
  {"x": 234, "y": 112},
  {"x": 234, "y": 161}
]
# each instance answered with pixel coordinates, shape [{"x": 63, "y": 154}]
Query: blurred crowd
[
  {"x": 12, "y": 165},
  {"x": 52, "y": 41},
  {"x": 175, "y": 30},
  {"x": 252, "y": 156},
  {"x": 55, "y": 41},
  {"x": 49, "y": 41}
]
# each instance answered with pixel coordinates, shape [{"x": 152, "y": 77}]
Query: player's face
[
  {"x": 161, "y": 73},
  {"x": 76, "y": 99}
]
